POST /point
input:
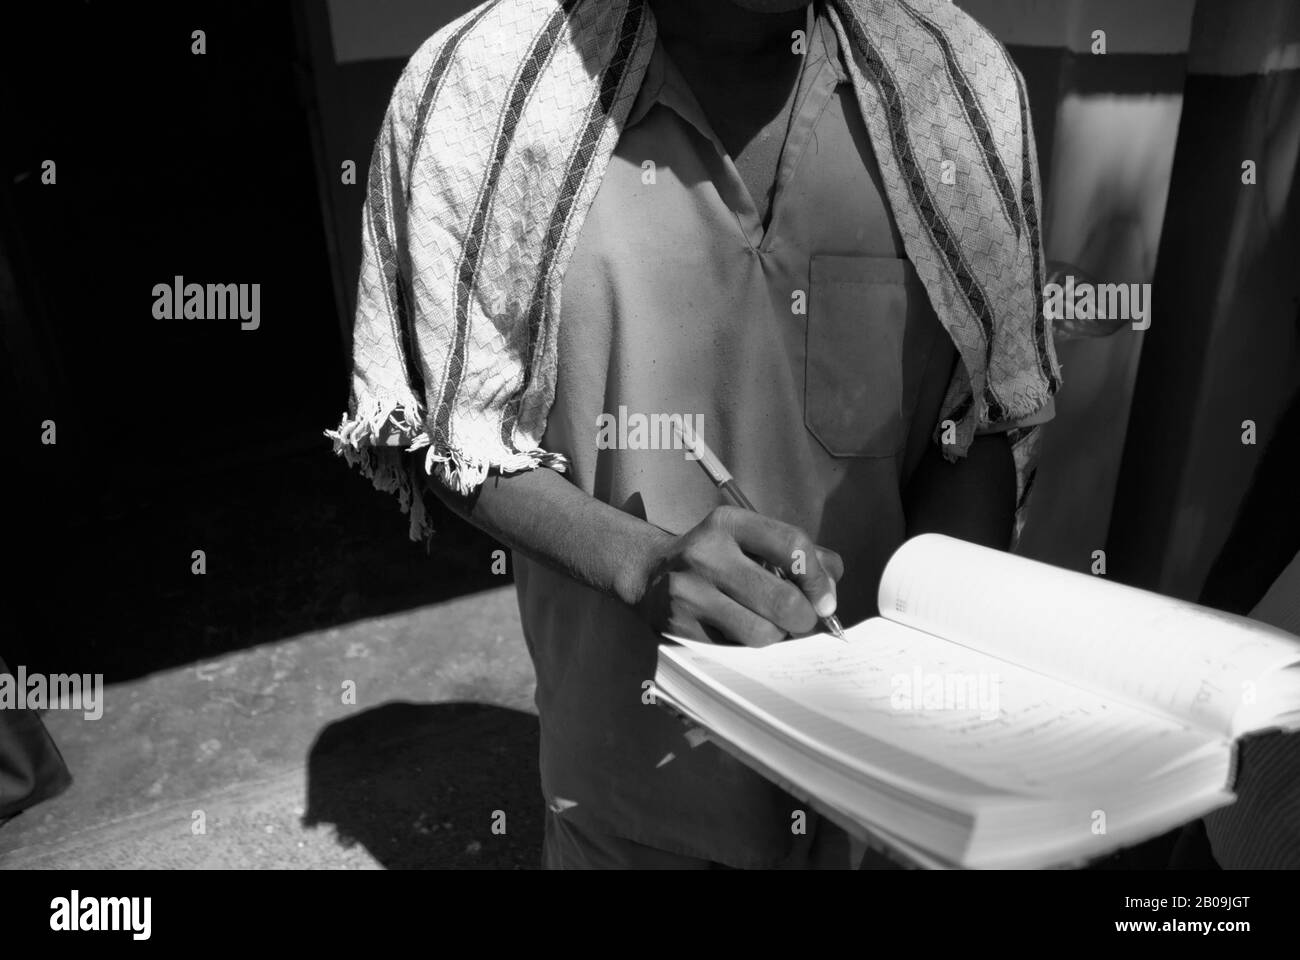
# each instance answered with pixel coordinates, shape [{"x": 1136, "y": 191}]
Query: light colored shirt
[{"x": 811, "y": 359}]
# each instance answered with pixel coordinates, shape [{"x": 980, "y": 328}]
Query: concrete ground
[
  {"x": 227, "y": 737},
  {"x": 254, "y": 759}
]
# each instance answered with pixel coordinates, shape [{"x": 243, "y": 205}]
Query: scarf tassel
[{"x": 375, "y": 439}]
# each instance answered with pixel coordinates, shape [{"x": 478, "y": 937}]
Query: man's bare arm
[
  {"x": 700, "y": 584},
  {"x": 549, "y": 520}
]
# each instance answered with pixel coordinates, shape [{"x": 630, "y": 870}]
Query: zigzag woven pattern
[{"x": 494, "y": 144}]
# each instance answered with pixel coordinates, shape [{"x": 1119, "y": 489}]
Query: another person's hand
[{"x": 709, "y": 583}]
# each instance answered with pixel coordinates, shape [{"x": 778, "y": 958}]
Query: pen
[{"x": 725, "y": 482}]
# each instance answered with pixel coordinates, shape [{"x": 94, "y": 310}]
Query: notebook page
[
  {"x": 995, "y": 723},
  {"x": 1194, "y": 663}
]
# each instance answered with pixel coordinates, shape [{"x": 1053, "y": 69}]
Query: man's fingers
[
  {"x": 738, "y": 624},
  {"x": 763, "y": 592},
  {"x": 785, "y": 546},
  {"x": 831, "y": 563},
  {"x": 703, "y": 612}
]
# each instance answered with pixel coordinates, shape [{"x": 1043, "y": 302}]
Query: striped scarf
[{"x": 494, "y": 145}]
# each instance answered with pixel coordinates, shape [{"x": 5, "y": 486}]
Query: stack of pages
[{"x": 1001, "y": 712}]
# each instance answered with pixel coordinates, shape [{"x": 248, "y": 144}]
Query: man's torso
[{"x": 809, "y": 355}]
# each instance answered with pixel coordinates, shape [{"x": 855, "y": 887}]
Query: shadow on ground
[{"x": 418, "y": 784}]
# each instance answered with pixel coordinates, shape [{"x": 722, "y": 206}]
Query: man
[{"x": 762, "y": 217}]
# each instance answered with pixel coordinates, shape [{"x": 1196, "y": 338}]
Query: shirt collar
[
  {"x": 664, "y": 84},
  {"x": 828, "y": 47}
]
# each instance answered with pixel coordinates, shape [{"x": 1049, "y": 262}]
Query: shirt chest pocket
[{"x": 870, "y": 332}]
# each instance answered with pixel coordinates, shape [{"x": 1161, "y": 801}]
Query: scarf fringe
[
  {"x": 375, "y": 439},
  {"x": 464, "y": 473}
]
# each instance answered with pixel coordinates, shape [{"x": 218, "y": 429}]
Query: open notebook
[{"x": 1001, "y": 712}]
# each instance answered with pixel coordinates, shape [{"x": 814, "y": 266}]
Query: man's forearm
[
  {"x": 545, "y": 517},
  {"x": 973, "y": 499},
  {"x": 708, "y": 583},
  {"x": 548, "y": 519}
]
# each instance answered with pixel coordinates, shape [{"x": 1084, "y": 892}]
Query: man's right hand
[{"x": 710, "y": 581}]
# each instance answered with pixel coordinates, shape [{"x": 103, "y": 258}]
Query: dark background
[{"x": 177, "y": 435}]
